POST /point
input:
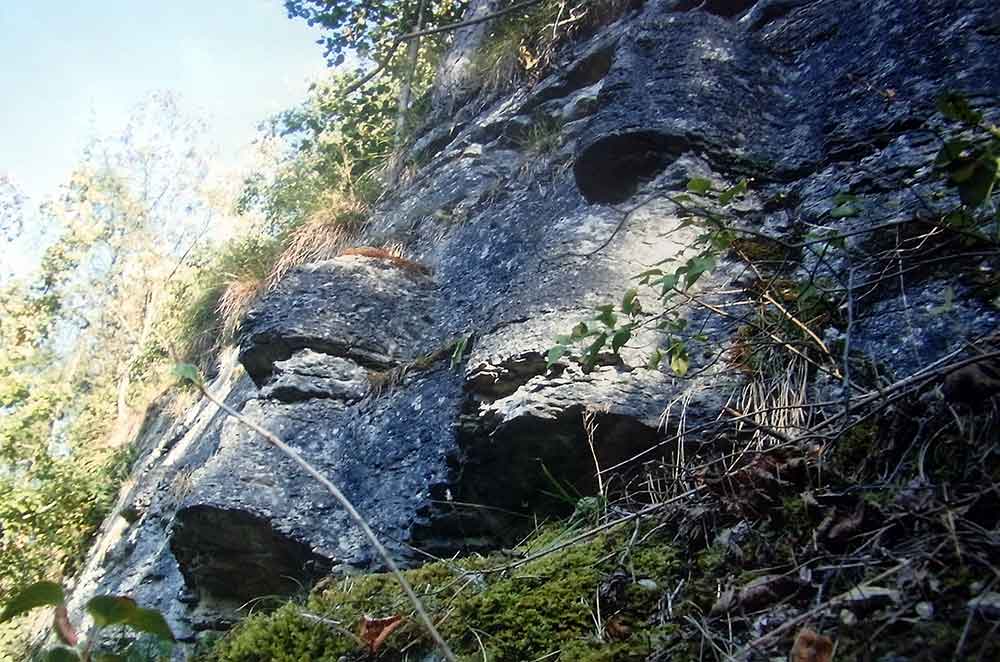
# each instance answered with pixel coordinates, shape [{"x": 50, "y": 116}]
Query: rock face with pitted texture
[{"x": 807, "y": 97}]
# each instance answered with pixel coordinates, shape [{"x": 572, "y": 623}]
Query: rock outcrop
[{"x": 809, "y": 98}]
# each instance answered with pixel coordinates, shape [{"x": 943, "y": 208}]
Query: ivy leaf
[
  {"x": 110, "y": 609},
  {"x": 629, "y": 301},
  {"x": 150, "y": 621},
  {"x": 679, "y": 362},
  {"x": 622, "y": 336},
  {"x": 722, "y": 240},
  {"x": 975, "y": 190},
  {"x": 607, "y": 317},
  {"x": 62, "y": 654},
  {"x": 699, "y": 185},
  {"x": 732, "y": 192},
  {"x": 39, "y": 594},
  {"x": 187, "y": 372},
  {"x": 956, "y": 107},
  {"x": 668, "y": 283},
  {"x": 655, "y": 359},
  {"x": 951, "y": 151},
  {"x": 697, "y": 266},
  {"x": 644, "y": 277},
  {"x": 843, "y": 198},
  {"x": 947, "y": 305},
  {"x": 590, "y": 356},
  {"x": 553, "y": 355}
]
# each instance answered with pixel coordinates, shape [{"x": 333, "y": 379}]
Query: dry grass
[
  {"x": 235, "y": 301},
  {"x": 392, "y": 254},
  {"x": 323, "y": 235},
  {"x": 523, "y": 45}
]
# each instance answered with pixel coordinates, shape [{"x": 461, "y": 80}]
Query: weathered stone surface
[
  {"x": 810, "y": 98},
  {"x": 362, "y": 309},
  {"x": 308, "y": 374}
]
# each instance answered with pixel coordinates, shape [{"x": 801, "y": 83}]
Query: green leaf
[
  {"x": 947, "y": 305},
  {"x": 732, "y": 192},
  {"x": 606, "y": 316},
  {"x": 977, "y": 188},
  {"x": 579, "y": 331},
  {"x": 590, "y": 356},
  {"x": 956, "y": 107},
  {"x": 621, "y": 337},
  {"x": 697, "y": 266},
  {"x": 844, "y": 211},
  {"x": 699, "y": 185},
  {"x": 151, "y": 621},
  {"x": 951, "y": 151},
  {"x": 459, "y": 351},
  {"x": 629, "y": 300},
  {"x": 844, "y": 198},
  {"x": 807, "y": 294},
  {"x": 644, "y": 277},
  {"x": 722, "y": 240},
  {"x": 39, "y": 594},
  {"x": 668, "y": 283},
  {"x": 553, "y": 355},
  {"x": 110, "y": 609},
  {"x": 62, "y": 654},
  {"x": 187, "y": 372},
  {"x": 655, "y": 359},
  {"x": 679, "y": 362}
]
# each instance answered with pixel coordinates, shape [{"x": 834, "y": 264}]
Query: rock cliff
[{"x": 422, "y": 387}]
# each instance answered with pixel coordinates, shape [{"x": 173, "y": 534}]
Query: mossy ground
[
  {"x": 549, "y": 606},
  {"x": 869, "y": 509}
]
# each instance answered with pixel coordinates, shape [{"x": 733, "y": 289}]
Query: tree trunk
[{"x": 412, "y": 51}]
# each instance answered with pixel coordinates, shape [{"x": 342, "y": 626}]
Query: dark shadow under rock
[
  {"x": 613, "y": 167},
  {"x": 235, "y": 554}
]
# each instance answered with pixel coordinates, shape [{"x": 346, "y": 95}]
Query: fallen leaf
[
  {"x": 811, "y": 647},
  {"x": 374, "y": 631},
  {"x": 759, "y": 593},
  {"x": 617, "y": 628}
]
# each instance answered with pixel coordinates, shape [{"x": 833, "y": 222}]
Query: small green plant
[
  {"x": 972, "y": 164},
  {"x": 105, "y": 610},
  {"x": 617, "y": 324}
]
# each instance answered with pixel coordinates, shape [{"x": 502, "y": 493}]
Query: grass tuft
[{"x": 322, "y": 235}]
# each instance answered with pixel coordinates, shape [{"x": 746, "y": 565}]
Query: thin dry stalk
[
  {"x": 235, "y": 302},
  {"x": 323, "y": 236},
  {"x": 590, "y": 428},
  {"x": 355, "y": 516}
]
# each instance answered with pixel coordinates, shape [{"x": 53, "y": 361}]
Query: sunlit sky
[{"x": 70, "y": 69}]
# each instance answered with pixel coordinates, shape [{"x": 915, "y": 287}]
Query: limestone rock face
[{"x": 350, "y": 360}]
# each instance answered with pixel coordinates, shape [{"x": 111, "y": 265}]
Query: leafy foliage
[
  {"x": 972, "y": 164},
  {"x": 106, "y": 610},
  {"x": 369, "y": 27},
  {"x": 616, "y": 324}
]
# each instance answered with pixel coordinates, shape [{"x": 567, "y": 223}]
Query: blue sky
[{"x": 73, "y": 68}]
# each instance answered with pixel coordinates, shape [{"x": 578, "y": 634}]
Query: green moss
[
  {"x": 853, "y": 448},
  {"x": 759, "y": 250},
  {"x": 541, "y": 607}
]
